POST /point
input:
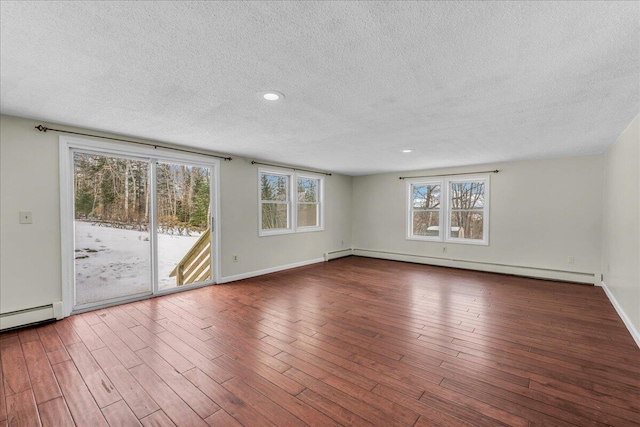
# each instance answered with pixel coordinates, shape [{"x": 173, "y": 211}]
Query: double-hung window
[
  {"x": 449, "y": 209},
  {"x": 289, "y": 202}
]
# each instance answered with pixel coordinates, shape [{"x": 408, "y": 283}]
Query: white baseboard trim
[
  {"x": 28, "y": 316},
  {"x": 250, "y": 274},
  {"x": 539, "y": 273},
  {"x": 632, "y": 329},
  {"x": 328, "y": 256}
]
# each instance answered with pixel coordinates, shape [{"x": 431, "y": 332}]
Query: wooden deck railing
[{"x": 195, "y": 266}]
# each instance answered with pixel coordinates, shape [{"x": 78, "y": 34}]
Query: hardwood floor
[{"x": 355, "y": 341}]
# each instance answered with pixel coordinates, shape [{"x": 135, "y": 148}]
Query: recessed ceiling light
[
  {"x": 407, "y": 151},
  {"x": 271, "y": 95}
]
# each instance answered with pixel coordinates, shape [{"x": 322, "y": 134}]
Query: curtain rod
[
  {"x": 253, "y": 162},
  {"x": 449, "y": 174},
  {"x": 44, "y": 129}
]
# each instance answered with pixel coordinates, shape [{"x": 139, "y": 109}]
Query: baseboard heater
[
  {"x": 538, "y": 273},
  {"x": 31, "y": 315},
  {"x": 328, "y": 256}
]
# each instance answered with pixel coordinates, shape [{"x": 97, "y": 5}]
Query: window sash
[
  {"x": 446, "y": 210},
  {"x": 294, "y": 216}
]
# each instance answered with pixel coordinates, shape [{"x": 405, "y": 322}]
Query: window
[
  {"x": 308, "y": 202},
  {"x": 459, "y": 206},
  {"x": 280, "y": 212},
  {"x": 275, "y": 201}
]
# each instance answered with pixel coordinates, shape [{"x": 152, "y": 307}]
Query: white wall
[
  {"x": 30, "y": 255},
  {"x": 541, "y": 213},
  {"x": 621, "y": 225},
  {"x": 30, "y": 265}
]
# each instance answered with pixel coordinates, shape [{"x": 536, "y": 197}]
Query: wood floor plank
[
  {"x": 121, "y": 330},
  {"x": 122, "y": 351},
  {"x": 43, "y": 382},
  {"x": 202, "y": 362},
  {"x": 131, "y": 391},
  {"x": 262, "y": 403},
  {"x": 170, "y": 355},
  {"x": 184, "y": 388},
  {"x": 94, "y": 377},
  {"x": 279, "y": 395},
  {"x": 3, "y": 406},
  {"x": 65, "y": 331},
  {"x": 342, "y": 415},
  {"x": 235, "y": 406},
  {"x": 28, "y": 334},
  {"x": 171, "y": 404},
  {"x": 55, "y": 413},
  {"x": 22, "y": 409},
  {"x": 14, "y": 367},
  {"x": 364, "y": 410},
  {"x": 119, "y": 414},
  {"x": 83, "y": 408},
  {"x": 52, "y": 344},
  {"x": 157, "y": 419},
  {"x": 222, "y": 419},
  {"x": 86, "y": 333}
]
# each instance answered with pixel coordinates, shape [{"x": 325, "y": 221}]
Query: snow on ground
[{"x": 112, "y": 262}]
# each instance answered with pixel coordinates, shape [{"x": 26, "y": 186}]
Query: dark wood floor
[{"x": 354, "y": 341}]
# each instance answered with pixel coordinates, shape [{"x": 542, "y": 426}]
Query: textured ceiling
[{"x": 459, "y": 82}]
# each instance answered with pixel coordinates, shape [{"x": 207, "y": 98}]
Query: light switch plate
[{"x": 26, "y": 218}]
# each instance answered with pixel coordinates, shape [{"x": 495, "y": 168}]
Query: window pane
[
  {"x": 467, "y": 195},
  {"x": 111, "y": 229},
  {"x": 426, "y": 224},
  {"x": 274, "y": 187},
  {"x": 308, "y": 190},
  {"x": 183, "y": 234},
  {"x": 467, "y": 225},
  {"x": 308, "y": 215},
  {"x": 274, "y": 216},
  {"x": 426, "y": 196}
]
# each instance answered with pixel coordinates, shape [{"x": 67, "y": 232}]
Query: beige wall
[
  {"x": 30, "y": 255},
  {"x": 541, "y": 213},
  {"x": 621, "y": 223}
]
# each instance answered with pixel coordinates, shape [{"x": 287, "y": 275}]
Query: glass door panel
[
  {"x": 112, "y": 252},
  {"x": 183, "y": 200}
]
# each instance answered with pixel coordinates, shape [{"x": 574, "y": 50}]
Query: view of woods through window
[
  {"x": 464, "y": 211},
  {"x": 467, "y": 203},
  {"x": 276, "y": 201},
  {"x": 274, "y": 193},
  {"x": 112, "y": 218}
]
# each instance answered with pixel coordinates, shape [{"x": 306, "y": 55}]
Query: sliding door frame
[{"x": 67, "y": 145}]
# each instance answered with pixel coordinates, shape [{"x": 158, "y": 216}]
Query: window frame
[
  {"x": 292, "y": 202},
  {"x": 410, "y": 186},
  {"x": 445, "y": 210},
  {"x": 319, "y": 204}
]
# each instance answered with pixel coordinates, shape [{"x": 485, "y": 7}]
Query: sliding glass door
[{"x": 139, "y": 224}]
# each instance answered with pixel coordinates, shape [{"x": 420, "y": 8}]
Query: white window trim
[
  {"x": 410, "y": 210},
  {"x": 320, "y": 203},
  {"x": 292, "y": 202},
  {"x": 445, "y": 209},
  {"x": 290, "y": 212}
]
